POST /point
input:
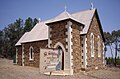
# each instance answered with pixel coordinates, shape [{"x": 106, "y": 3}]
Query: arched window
[
  {"x": 31, "y": 53},
  {"x": 92, "y": 44},
  {"x": 99, "y": 47}
]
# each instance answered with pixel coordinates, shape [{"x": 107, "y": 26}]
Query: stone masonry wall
[
  {"x": 58, "y": 33},
  {"x": 19, "y": 55},
  {"x": 36, "y": 49},
  {"x": 76, "y": 47},
  {"x": 97, "y": 61},
  {"x": 82, "y": 46}
]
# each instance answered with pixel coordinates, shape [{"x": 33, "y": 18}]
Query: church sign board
[{"x": 50, "y": 60}]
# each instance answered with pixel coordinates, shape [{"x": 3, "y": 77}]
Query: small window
[
  {"x": 82, "y": 57},
  {"x": 82, "y": 51},
  {"x": 31, "y": 53},
  {"x": 99, "y": 47},
  {"x": 82, "y": 45},
  {"x": 82, "y": 63},
  {"x": 92, "y": 44}
]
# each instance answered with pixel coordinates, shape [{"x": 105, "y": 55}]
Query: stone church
[{"x": 78, "y": 35}]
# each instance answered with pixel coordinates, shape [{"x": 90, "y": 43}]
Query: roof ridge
[
  {"x": 83, "y": 17},
  {"x": 69, "y": 15},
  {"x": 63, "y": 16},
  {"x": 83, "y": 11}
]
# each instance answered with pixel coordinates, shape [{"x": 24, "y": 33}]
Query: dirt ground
[{"x": 10, "y": 71}]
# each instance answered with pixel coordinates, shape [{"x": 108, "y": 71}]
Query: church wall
[
  {"x": 94, "y": 62},
  {"x": 83, "y": 51},
  {"x": 19, "y": 55},
  {"x": 58, "y": 33},
  {"x": 68, "y": 33},
  {"x": 76, "y": 47},
  {"x": 36, "y": 52}
]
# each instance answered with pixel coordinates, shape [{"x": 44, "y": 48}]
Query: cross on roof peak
[
  {"x": 91, "y": 6},
  {"x": 39, "y": 19},
  {"x": 65, "y": 8}
]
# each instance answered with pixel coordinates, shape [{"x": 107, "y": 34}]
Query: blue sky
[{"x": 10, "y": 10}]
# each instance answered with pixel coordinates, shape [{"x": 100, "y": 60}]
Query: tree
[
  {"x": 19, "y": 28},
  {"x": 28, "y": 24},
  {"x": 5, "y": 42},
  {"x": 108, "y": 41},
  {"x": 12, "y": 33},
  {"x": 116, "y": 41},
  {"x": 1, "y": 42},
  {"x": 35, "y": 21}
]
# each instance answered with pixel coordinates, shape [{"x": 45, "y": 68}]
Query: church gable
[
  {"x": 85, "y": 17},
  {"x": 94, "y": 34},
  {"x": 95, "y": 25}
]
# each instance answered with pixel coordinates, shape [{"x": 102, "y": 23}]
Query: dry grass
[{"x": 10, "y": 71}]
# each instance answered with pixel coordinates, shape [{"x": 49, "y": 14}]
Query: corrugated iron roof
[
  {"x": 63, "y": 16},
  {"x": 85, "y": 17},
  {"x": 22, "y": 39},
  {"x": 40, "y": 30}
]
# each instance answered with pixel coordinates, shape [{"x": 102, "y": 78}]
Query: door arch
[
  {"x": 61, "y": 48},
  {"x": 62, "y": 57}
]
